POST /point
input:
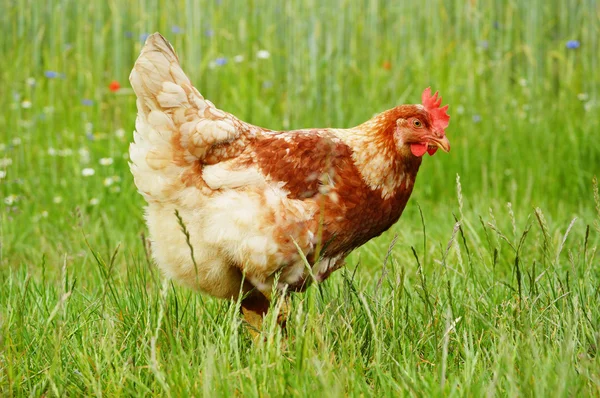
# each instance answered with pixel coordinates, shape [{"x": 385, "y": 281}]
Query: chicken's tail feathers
[
  {"x": 157, "y": 66},
  {"x": 175, "y": 126},
  {"x": 154, "y": 149}
]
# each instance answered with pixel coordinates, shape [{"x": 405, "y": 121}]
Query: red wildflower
[
  {"x": 387, "y": 65},
  {"x": 114, "y": 86}
]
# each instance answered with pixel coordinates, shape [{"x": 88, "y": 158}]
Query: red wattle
[{"x": 418, "y": 149}]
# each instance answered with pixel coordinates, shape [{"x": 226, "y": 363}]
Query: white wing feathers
[{"x": 175, "y": 126}]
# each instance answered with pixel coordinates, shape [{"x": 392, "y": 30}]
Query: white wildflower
[
  {"x": 44, "y": 214},
  {"x": 5, "y": 162},
  {"x": 583, "y": 96},
  {"x": 16, "y": 141},
  {"x": 57, "y": 199},
  {"x": 84, "y": 154},
  {"x": 26, "y": 104},
  {"x": 51, "y": 151},
  {"x": 522, "y": 82},
  {"x": 88, "y": 172},
  {"x": 106, "y": 161},
  {"x": 120, "y": 133},
  {"x": 26, "y": 124},
  {"x": 94, "y": 201},
  {"x": 460, "y": 109},
  {"x": 115, "y": 189},
  {"x": 10, "y": 199},
  {"x": 108, "y": 181},
  {"x": 2, "y": 174},
  {"x": 238, "y": 58},
  {"x": 30, "y": 81},
  {"x": 65, "y": 152},
  {"x": 125, "y": 155},
  {"x": 89, "y": 128},
  {"x": 212, "y": 65},
  {"x": 263, "y": 54},
  {"x": 589, "y": 106},
  {"x": 2, "y": 147}
]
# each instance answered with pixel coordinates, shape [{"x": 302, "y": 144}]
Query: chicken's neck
[{"x": 381, "y": 165}]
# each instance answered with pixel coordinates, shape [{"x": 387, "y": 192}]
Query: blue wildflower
[
  {"x": 209, "y": 33},
  {"x": 573, "y": 44},
  {"x": 220, "y": 61},
  {"x": 87, "y": 102},
  {"x": 267, "y": 84},
  {"x": 476, "y": 118},
  {"x": 90, "y": 136},
  {"x": 50, "y": 74},
  {"x": 176, "y": 29},
  {"x": 128, "y": 34},
  {"x": 143, "y": 37},
  {"x": 484, "y": 44}
]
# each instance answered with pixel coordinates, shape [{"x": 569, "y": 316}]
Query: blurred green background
[
  {"x": 521, "y": 78},
  {"x": 478, "y": 307}
]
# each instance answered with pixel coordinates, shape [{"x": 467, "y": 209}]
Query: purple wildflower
[
  {"x": 50, "y": 74},
  {"x": 573, "y": 44},
  {"x": 220, "y": 61},
  {"x": 87, "y": 102}
]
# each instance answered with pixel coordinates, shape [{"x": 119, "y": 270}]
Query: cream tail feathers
[{"x": 175, "y": 126}]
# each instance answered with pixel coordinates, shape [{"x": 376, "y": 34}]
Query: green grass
[{"x": 494, "y": 289}]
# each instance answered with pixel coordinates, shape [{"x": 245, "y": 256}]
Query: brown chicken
[{"x": 259, "y": 205}]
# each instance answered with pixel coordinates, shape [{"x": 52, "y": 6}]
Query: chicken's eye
[{"x": 417, "y": 123}]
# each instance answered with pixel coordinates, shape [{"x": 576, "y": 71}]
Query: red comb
[{"x": 432, "y": 103}]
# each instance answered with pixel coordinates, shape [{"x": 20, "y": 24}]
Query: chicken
[{"x": 260, "y": 206}]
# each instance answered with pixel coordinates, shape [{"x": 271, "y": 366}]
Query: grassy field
[{"x": 492, "y": 286}]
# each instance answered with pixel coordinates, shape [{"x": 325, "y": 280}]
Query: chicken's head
[{"x": 422, "y": 127}]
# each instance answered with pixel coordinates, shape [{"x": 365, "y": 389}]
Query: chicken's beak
[{"x": 442, "y": 142}]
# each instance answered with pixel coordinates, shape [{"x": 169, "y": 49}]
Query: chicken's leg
[{"x": 254, "y": 307}]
